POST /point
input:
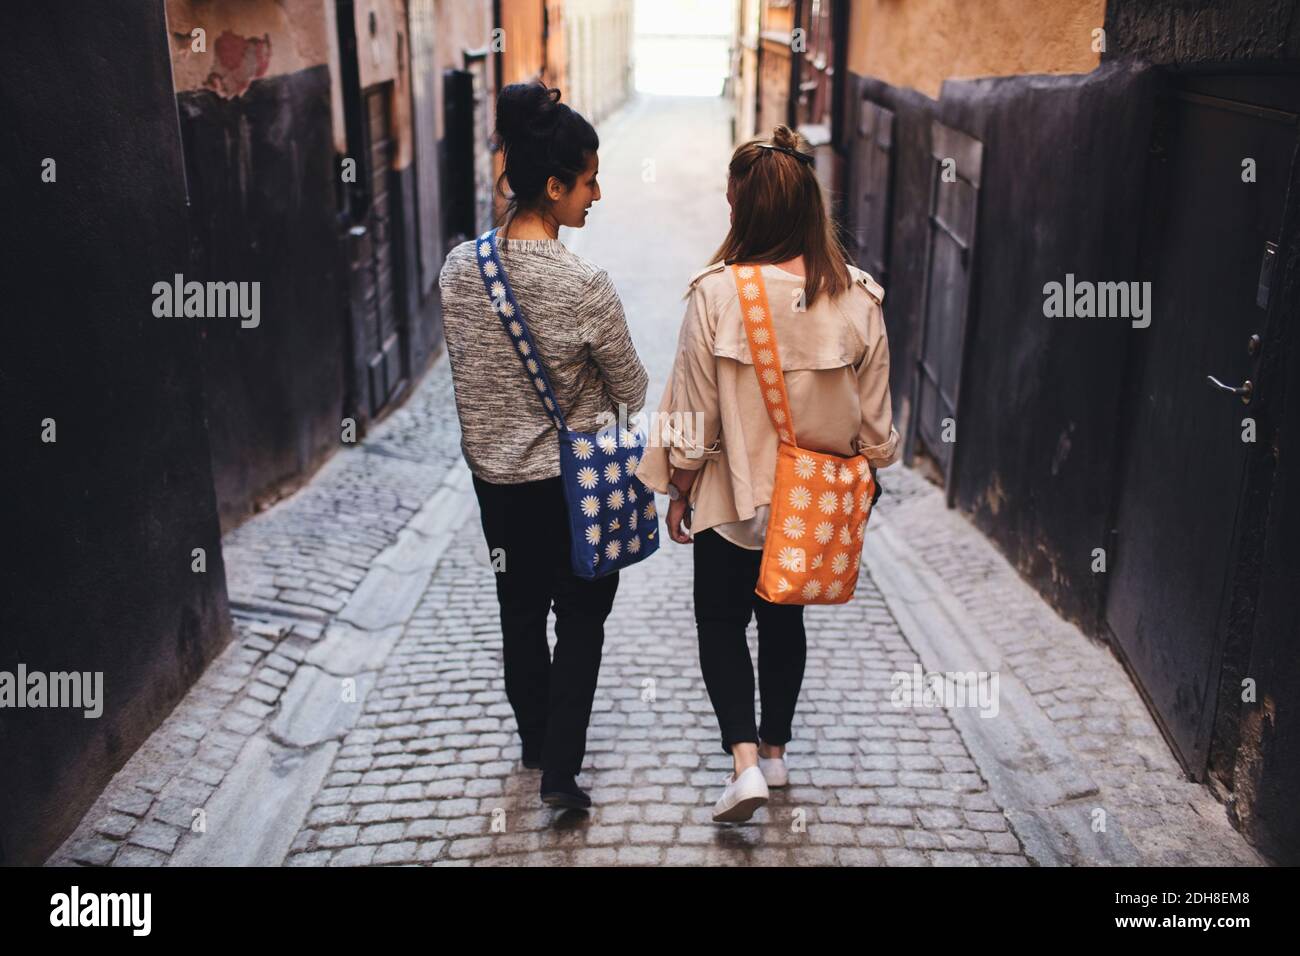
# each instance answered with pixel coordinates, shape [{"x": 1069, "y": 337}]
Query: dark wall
[
  {"x": 1265, "y": 775},
  {"x": 99, "y": 525},
  {"x": 1064, "y": 178},
  {"x": 910, "y": 191},
  {"x": 263, "y": 208},
  {"x": 1061, "y": 193},
  {"x": 1256, "y": 745},
  {"x": 1067, "y": 188},
  {"x": 1202, "y": 31}
]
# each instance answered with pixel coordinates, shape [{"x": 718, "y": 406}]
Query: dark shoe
[{"x": 560, "y": 790}]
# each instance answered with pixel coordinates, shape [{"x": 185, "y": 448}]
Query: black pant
[
  {"x": 551, "y": 698},
  {"x": 725, "y": 577}
]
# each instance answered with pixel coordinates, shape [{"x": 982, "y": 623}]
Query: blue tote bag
[{"x": 612, "y": 517}]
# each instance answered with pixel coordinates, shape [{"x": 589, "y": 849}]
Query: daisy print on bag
[
  {"x": 593, "y": 534},
  {"x": 588, "y": 478},
  {"x": 793, "y": 527},
  {"x": 828, "y": 502},
  {"x": 829, "y": 471},
  {"x": 804, "y": 466},
  {"x": 607, "y": 442},
  {"x": 792, "y": 559},
  {"x": 800, "y": 498},
  {"x": 825, "y": 531},
  {"x": 590, "y": 506},
  {"x": 615, "y": 500},
  {"x": 612, "y": 472},
  {"x": 582, "y": 448}
]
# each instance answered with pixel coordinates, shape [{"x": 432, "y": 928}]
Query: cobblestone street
[{"x": 359, "y": 715}]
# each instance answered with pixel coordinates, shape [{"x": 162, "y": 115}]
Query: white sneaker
[
  {"x": 774, "y": 771},
  {"x": 744, "y": 795}
]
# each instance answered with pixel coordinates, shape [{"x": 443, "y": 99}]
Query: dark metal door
[
  {"x": 956, "y": 164},
  {"x": 870, "y": 184},
  {"x": 377, "y": 286},
  {"x": 1184, "y": 464}
]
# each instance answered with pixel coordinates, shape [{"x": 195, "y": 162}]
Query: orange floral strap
[{"x": 757, "y": 316}]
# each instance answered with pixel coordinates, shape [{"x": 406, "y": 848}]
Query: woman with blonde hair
[{"x": 834, "y": 358}]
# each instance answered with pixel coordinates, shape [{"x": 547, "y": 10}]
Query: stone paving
[
  {"x": 431, "y": 773},
  {"x": 359, "y": 715}
]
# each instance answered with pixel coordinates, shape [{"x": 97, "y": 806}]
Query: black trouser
[
  {"x": 551, "y": 698},
  {"x": 725, "y": 577}
]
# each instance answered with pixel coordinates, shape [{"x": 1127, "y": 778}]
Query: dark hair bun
[
  {"x": 526, "y": 111},
  {"x": 541, "y": 137}
]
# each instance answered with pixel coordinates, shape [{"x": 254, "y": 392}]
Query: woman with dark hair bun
[{"x": 509, "y": 437}]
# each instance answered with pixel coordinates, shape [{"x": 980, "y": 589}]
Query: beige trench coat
[{"x": 712, "y": 418}]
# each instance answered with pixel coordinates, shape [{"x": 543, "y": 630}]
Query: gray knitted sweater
[{"x": 582, "y": 339}]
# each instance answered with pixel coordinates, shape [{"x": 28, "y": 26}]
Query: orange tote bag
[{"x": 820, "y": 502}]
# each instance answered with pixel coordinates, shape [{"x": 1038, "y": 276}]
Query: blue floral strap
[{"x": 506, "y": 306}]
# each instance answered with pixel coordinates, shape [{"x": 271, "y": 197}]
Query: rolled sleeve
[{"x": 877, "y": 438}]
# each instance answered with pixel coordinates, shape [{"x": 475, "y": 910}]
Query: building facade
[
  {"x": 1080, "y": 213},
  {"x": 315, "y": 158}
]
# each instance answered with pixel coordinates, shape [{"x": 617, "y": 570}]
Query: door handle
[{"x": 1244, "y": 390}]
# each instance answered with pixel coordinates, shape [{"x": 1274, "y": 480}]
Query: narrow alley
[{"x": 359, "y": 715}]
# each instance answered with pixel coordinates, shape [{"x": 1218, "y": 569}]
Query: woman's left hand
[{"x": 678, "y": 515}]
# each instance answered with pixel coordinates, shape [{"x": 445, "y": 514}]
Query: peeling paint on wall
[{"x": 236, "y": 62}]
